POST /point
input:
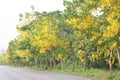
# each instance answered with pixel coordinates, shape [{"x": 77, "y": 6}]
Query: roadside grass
[{"x": 96, "y": 74}]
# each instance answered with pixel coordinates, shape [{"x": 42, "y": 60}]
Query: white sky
[{"x": 9, "y": 15}]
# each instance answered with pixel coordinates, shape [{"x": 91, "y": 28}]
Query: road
[{"x": 10, "y": 73}]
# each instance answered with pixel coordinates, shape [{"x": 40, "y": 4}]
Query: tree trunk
[
  {"x": 85, "y": 61},
  {"x": 118, "y": 56},
  {"x": 50, "y": 63},
  {"x": 41, "y": 64},
  {"x": 110, "y": 64},
  {"x": 54, "y": 63},
  {"x": 62, "y": 64},
  {"x": 73, "y": 67},
  {"x": 47, "y": 64}
]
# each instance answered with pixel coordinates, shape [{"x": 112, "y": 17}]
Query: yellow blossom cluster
[
  {"x": 112, "y": 29},
  {"x": 23, "y": 53},
  {"x": 74, "y": 21}
]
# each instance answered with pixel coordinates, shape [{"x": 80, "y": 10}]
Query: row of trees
[{"x": 87, "y": 32}]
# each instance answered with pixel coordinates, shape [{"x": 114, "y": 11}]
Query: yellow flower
[
  {"x": 114, "y": 44},
  {"x": 59, "y": 56},
  {"x": 43, "y": 50}
]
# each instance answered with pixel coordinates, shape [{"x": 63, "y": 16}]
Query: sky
[{"x": 9, "y": 15}]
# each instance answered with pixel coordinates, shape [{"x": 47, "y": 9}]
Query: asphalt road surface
[{"x": 10, "y": 73}]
